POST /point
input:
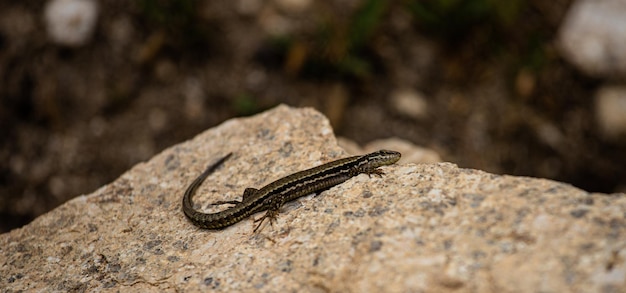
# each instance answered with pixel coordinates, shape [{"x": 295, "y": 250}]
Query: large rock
[{"x": 421, "y": 227}]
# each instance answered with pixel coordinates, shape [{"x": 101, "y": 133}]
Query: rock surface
[{"x": 420, "y": 228}]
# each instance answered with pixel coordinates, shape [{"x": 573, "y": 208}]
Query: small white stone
[
  {"x": 410, "y": 103},
  {"x": 593, "y": 37},
  {"x": 71, "y": 22},
  {"x": 611, "y": 110}
]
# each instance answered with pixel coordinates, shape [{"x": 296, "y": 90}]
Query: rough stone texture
[
  {"x": 593, "y": 37},
  {"x": 420, "y": 228}
]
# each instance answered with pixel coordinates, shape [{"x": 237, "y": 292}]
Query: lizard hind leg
[
  {"x": 247, "y": 194},
  {"x": 271, "y": 214}
]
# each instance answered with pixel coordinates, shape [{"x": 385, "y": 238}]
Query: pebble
[
  {"x": 410, "y": 103},
  {"x": 71, "y": 22},
  {"x": 593, "y": 37},
  {"x": 611, "y": 110}
]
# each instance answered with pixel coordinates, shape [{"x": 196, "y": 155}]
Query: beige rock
[
  {"x": 419, "y": 228},
  {"x": 410, "y": 103},
  {"x": 71, "y": 22},
  {"x": 610, "y": 110},
  {"x": 592, "y": 37}
]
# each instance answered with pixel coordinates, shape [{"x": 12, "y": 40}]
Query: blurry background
[{"x": 89, "y": 88}]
